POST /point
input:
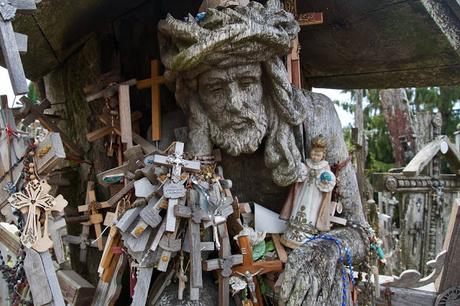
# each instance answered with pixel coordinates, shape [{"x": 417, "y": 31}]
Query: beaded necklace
[
  {"x": 348, "y": 258},
  {"x": 15, "y": 276}
]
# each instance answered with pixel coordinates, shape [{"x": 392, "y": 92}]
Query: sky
[
  {"x": 346, "y": 118},
  {"x": 5, "y": 86},
  {"x": 334, "y": 94}
]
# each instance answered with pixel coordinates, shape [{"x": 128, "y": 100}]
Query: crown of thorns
[{"x": 238, "y": 35}]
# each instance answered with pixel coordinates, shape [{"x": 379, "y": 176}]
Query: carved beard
[{"x": 242, "y": 140}]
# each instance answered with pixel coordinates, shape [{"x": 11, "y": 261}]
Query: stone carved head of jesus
[{"x": 228, "y": 77}]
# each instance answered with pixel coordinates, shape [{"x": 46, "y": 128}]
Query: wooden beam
[
  {"x": 10, "y": 240},
  {"x": 75, "y": 289},
  {"x": 405, "y": 296},
  {"x": 125, "y": 115},
  {"x": 12, "y": 59}
]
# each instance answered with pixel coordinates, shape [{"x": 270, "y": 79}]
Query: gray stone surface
[{"x": 229, "y": 79}]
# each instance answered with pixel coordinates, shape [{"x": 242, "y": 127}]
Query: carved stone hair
[{"x": 231, "y": 37}]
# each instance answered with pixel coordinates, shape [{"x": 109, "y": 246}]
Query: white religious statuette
[
  {"x": 34, "y": 199},
  {"x": 311, "y": 193}
]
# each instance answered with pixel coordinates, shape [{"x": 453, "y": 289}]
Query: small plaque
[
  {"x": 113, "y": 178},
  {"x": 173, "y": 190}
]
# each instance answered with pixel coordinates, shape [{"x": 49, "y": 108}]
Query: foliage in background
[
  {"x": 380, "y": 153},
  {"x": 32, "y": 94}
]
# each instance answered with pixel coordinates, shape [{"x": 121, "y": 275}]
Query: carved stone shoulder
[{"x": 322, "y": 119}]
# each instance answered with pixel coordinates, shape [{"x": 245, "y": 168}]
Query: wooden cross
[
  {"x": 115, "y": 127},
  {"x": 8, "y": 42},
  {"x": 110, "y": 256},
  {"x": 195, "y": 216},
  {"x": 254, "y": 268},
  {"x": 154, "y": 84},
  {"x": 107, "y": 293},
  {"x": 124, "y": 105},
  {"x": 91, "y": 207},
  {"x": 36, "y": 197},
  {"x": 293, "y": 59},
  {"x": 225, "y": 263},
  {"x": 31, "y": 112},
  {"x": 326, "y": 214},
  {"x": 174, "y": 189}
]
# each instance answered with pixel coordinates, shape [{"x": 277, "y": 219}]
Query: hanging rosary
[
  {"x": 339, "y": 245},
  {"x": 14, "y": 275}
]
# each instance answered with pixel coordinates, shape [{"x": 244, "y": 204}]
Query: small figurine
[{"x": 311, "y": 193}]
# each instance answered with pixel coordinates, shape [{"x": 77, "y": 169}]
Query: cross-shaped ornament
[
  {"x": 249, "y": 267},
  {"x": 224, "y": 263},
  {"x": 195, "y": 215},
  {"x": 10, "y": 50},
  {"x": 174, "y": 188},
  {"x": 34, "y": 199},
  {"x": 91, "y": 208},
  {"x": 326, "y": 214},
  {"x": 154, "y": 83}
]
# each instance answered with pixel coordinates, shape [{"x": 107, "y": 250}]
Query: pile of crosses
[
  {"x": 29, "y": 179},
  {"x": 171, "y": 206}
]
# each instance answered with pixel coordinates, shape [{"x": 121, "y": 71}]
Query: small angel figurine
[{"x": 308, "y": 195}]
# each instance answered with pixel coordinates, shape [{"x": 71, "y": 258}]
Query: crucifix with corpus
[
  {"x": 9, "y": 43},
  {"x": 250, "y": 269}
]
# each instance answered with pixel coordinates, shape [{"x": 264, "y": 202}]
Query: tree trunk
[{"x": 400, "y": 124}]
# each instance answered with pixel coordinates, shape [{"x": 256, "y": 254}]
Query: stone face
[{"x": 239, "y": 98}]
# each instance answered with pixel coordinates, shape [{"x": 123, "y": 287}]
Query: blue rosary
[{"x": 339, "y": 244}]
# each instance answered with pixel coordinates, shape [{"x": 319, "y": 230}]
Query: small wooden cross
[
  {"x": 154, "y": 84},
  {"x": 224, "y": 263},
  {"x": 254, "y": 268},
  {"x": 124, "y": 105},
  {"x": 174, "y": 189},
  {"x": 326, "y": 215},
  {"x": 10, "y": 50},
  {"x": 107, "y": 120},
  {"x": 195, "y": 216},
  {"x": 91, "y": 207}
]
